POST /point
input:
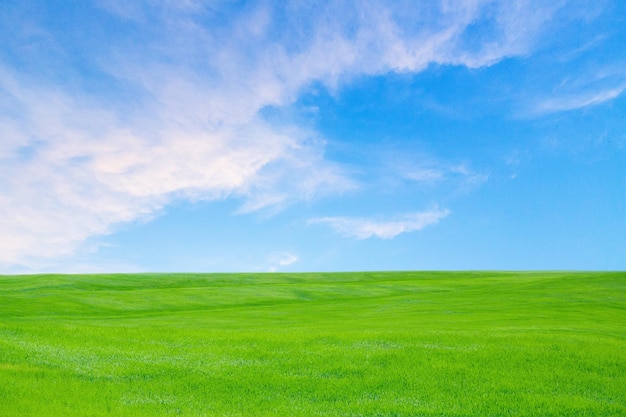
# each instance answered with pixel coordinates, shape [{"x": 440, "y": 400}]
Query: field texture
[{"x": 348, "y": 344}]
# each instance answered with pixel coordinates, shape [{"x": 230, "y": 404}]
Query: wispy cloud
[
  {"x": 423, "y": 170},
  {"x": 76, "y": 171},
  {"x": 170, "y": 107},
  {"x": 462, "y": 177},
  {"x": 578, "y": 100},
  {"x": 588, "y": 76},
  {"x": 365, "y": 228},
  {"x": 288, "y": 259},
  {"x": 282, "y": 261}
]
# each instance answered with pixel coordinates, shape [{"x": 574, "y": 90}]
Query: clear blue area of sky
[{"x": 195, "y": 136}]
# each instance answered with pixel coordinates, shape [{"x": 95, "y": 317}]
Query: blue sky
[{"x": 158, "y": 135}]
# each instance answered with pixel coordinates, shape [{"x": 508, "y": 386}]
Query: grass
[{"x": 344, "y": 344}]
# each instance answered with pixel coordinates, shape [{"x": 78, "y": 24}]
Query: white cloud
[
  {"x": 428, "y": 175},
  {"x": 578, "y": 100},
  {"x": 426, "y": 171},
  {"x": 595, "y": 80},
  {"x": 464, "y": 178},
  {"x": 173, "y": 110},
  {"x": 283, "y": 260},
  {"x": 93, "y": 173},
  {"x": 365, "y": 228},
  {"x": 288, "y": 259}
]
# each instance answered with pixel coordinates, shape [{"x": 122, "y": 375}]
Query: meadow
[{"x": 314, "y": 344}]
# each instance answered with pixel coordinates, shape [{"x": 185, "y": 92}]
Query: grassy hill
[{"x": 331, "y": 344}]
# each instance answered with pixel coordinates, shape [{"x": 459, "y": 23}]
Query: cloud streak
[
  {"x": 281, "y": 261},
  {"x": 365, "y": 228},
  {"x": 579, "y": 100}
]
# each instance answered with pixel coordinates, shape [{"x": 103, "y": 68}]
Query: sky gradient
[{"x": 190, "y": 135}]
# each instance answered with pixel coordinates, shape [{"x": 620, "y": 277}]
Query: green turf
[{"x": 343, "y": 344}]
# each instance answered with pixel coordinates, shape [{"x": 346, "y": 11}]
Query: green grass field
[{"x": 332, "y": 344}]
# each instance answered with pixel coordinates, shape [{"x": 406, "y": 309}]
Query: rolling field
[{"x": 328, "y": 344}]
